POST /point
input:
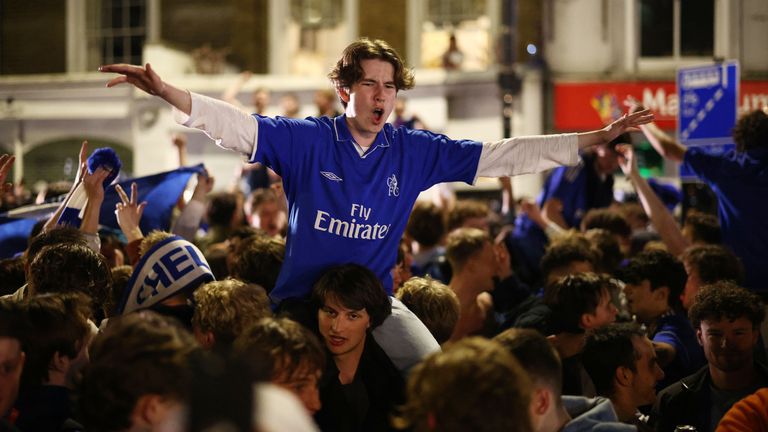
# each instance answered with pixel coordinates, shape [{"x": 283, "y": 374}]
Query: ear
[
  {"x": 586, "y": 320},
  {"x": 541, "y": 401},
  {"x": 624, "y": 376},
  {"x": 662, "y": 294},
  {"x": 343, "y": 94},
  {"x": 206, "y": 339},
  {"x": 700, "y": 337},
  {"x": 150, "y": 410}
]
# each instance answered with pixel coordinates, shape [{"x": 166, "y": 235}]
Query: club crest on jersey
[
  {"x": 331, "y": 176},
  {"x": 394, "y": 190}
]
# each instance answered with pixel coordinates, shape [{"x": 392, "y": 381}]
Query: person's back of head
[
  {"x": 56, "y": 327},
  {"x": 610, "y": 255},
  {"x": 472, "y": 385},
  {"x": 751, "y": 131},
  {"x": 120, "y": 277},
  {"x": 56, "y": 235},
  {"x": 258, "y": 260},
  {"x": 702, "y": 228},
  {"x": 569, "y": 254},
  {"x": 151, "y": 239},
  {"x": 707, "y": 264},
  {"x": 580, "y": 302},
  {"x": 536, "y": 355},
  {"x": 138, "y": 375},
  {"x": 222, "y": 208},
  {"x": 469, "y": 214},
  {"x": 284, "y": 352},
  {"x": 464, "y": 244},
  {"x": 12, "y": 275},
  {"x": 224, "y": 308},
  {"x": 426, "y": 225},
  {"x": 71, "y": 267},
  {"x": 608, "y": 219},
  {"x": 434, "y": 304}
]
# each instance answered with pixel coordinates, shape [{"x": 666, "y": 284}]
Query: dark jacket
[
  {"x": 687, "y": 402},
  {"x": 365, "y": 404}
]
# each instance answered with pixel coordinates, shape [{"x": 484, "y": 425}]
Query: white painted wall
[{"x": 577, "y": 43}]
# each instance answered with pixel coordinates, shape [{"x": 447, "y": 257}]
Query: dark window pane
[
  {"x": 137, "y": 42},
  {"x": 137, "y": 16},
  {"x": 697, "y": 24},
  {"x": 118, "y": 49},
  {"x": 106, "y": 50},
  {"x": 117, "y": 17},
  {"x": 656, "y": 28}
]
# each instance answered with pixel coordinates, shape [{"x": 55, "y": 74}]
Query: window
[
  {"x": 677, "y": 28},
  {"x": 316, "y": 33},
  {"x": 456, "y": 34},
  {"x": 116, "y": 32}
]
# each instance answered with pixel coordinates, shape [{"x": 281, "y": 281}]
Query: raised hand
[
  {"x": 204, "y": 186},
  {"x": 633, "y": 104},
  {"x": 627, "y": 160},
  {"x": 146, "y": 79},
  {"x": 82, "y": 167},
  {"x": 6, "y": 162},
  {"x": 627, "y": 122},
  {"x": 94, "y": 183},
  {"x": 143, "y": 78},
  {"x": 128, "y": 212}
]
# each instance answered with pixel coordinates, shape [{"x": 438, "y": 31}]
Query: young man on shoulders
[{"x": 352, "y": 180}]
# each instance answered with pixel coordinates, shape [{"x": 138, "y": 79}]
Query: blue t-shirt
[
  {"x": 346, "y": 208},
  {"x": 674, "y": 329},
  {"x": 740, "y": 181}
]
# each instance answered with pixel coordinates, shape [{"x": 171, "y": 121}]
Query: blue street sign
[{"x": 708, "y": 98}]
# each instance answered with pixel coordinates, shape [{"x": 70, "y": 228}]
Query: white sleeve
[
  {"x": 189, "y": 220},
  {"x": 525, "y": 155},
  {"x": 228, "y": 126}
]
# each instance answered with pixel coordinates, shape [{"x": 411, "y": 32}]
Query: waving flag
[{"x": 160, "y": 191}]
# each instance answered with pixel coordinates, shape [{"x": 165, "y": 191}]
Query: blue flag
[{"x": 160, "y": 191}]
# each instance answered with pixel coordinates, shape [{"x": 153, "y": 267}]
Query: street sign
[{"x": 708, "y": 98}]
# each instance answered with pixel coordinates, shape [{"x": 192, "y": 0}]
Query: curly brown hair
[
  {"x": 751, "y": 131},
  {"x": 434, "y": 304},
  {"x": 726, "y": 300},
  {"x": 349, "y": 69},
  {"x": 226, "y": 308}
]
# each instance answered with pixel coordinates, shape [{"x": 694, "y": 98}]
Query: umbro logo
[{"x": 331, "y": 176}]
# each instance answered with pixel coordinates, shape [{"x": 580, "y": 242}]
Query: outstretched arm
[
  {"x": 147, "y": 80},
  {"x": 660, "y": 217},
  {"x": 6, "y": 162},
  {"x": 525, "y": 155},
  {"x": 231, "y": 128},
  {"x": 664, "y": 144}
]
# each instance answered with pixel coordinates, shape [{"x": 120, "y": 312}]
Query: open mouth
[
  {"x": 378, "y": 114},
  {"x": 336, "y": 340}
]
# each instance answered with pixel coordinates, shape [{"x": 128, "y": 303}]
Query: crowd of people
[{"x": 331, "y": 299}]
